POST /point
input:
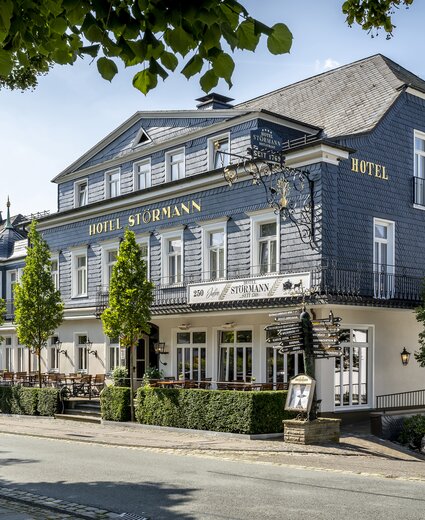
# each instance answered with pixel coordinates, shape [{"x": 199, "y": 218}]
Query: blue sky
[{"x": 42, "y": 132}]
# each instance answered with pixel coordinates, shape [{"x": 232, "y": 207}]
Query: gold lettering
[
  {"x": 105, "y": 226},
  {"x": 155, "y": 215},
  {"x": 131, "y": 220},
  {"x": 176, "y": 212},
  {"x": 166, "y": 212},
  {"x": 92, "y": 229},
  {"x": 378, "y": 171},
  {"x": 99, "y": 228},
  {"x": 118, "y": 223},
  {"x": 185, "y": 208},
  {"x": 138, "y": 219},
  {"x": 371, "y": 165},
  {"x": 354, "y": 164},
  {"x": 384, "y": 173},
  {"x": 111, "y": 225},
  {"x": 146, "y": 217},
  {"x": 362, "y": 166},
  {"x": 196, "y": 206}
]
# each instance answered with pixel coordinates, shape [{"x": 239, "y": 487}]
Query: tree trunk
[
  {"x": 39, "y": 365},
  {"x": 131, "y": 383}
]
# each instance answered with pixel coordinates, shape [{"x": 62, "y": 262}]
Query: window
[
  {"x": 281, "y": 367},
  {"x": 12, "y": 279},
  {"x": 265, "y": 244},
  {"x": 142, "y": 175},
  {"x": 79, "y": 273},
  {"x": 383, "y": 258},
  {"x": 82, "y": 354},
  {"x": 81, "y": 193},
  {"x": 419, "y": 172},
  {"x": 55, "y": 272},
  {"x": 53, "y": 355},
  {"x": 109, "y": 259},
  {"x": 218, "y": 150},
  {"x": 172, "y": 258},
  {"x": 235, "y": 361},
  {"x": 20, "y": 366},
  {"x": 144, "y": 250},
  {"x": 112, "y": 180},
  {"x": 114, "y": 353},
  {"x": 352, "y": 369},
  {"x": 192, "y": 355},
  {"x": 174, "y": 164},
  {"x": 6, "y": 355}
]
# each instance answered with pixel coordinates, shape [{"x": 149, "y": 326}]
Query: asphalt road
[{"x": 167, "y": 486}]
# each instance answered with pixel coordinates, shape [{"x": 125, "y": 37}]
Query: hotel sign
[
  {"x": 266, "y": 144},
  {"x": 146, "y": 216},
  {"x": 282, "y": 286},
  {"x": 375, "y": 170}
]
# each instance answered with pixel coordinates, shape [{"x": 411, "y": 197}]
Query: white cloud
[{"x": 327, "y": 64}]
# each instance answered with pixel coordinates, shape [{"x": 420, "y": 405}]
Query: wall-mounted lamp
[
  {"x": 160, "y": 349},
  {"x": 228, "y": 325},
  {"x": 405, "y": 356},
  {"x": 58, "y": 346},
  {"x": 185, "y": 326},
  {"x": 89, "y": 348}
]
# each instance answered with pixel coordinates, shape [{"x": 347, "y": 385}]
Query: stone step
[
  {"x": 80, "y": 411},
  {"x": 81, "y": 418}
]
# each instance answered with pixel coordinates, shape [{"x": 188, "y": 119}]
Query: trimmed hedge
[
  {"x": 215, "y": 410},
  {"x": 29, "y": 401},
  {"x": 115, "y": 403}
]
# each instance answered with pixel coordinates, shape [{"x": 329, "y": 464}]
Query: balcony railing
[
  {"x": 331, "y": 283},
  {"x": 10, "y": 310}
]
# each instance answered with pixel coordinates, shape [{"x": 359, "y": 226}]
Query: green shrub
[
  {"x": 413, "y": 431},
  {"x": 120, "y": 376},
  {"x": 215, "y": 410},
  {"x": 48, "y": 401},
  {"x": 115, "y": 403},
  {"x": 28, "y": 401}
]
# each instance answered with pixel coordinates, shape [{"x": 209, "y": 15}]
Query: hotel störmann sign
[{"x": 281, "y": 286}]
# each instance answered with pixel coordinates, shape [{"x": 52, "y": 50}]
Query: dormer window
[
  {"x": 81, "y": 193},
  {"x": 112, "y": 180},
  {"x": 174, "y": 164}
]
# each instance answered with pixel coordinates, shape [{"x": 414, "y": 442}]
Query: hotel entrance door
[{"x": 141, "y": 361}]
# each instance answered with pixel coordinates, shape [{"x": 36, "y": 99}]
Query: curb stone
[{"x": 62, "y": 506}]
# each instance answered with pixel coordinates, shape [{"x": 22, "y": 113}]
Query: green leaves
[
  {"x": 6, "y": 63},
  {"x": 145, "y": 81},
  {"x": 107, "y": 68},
  {"x": 280, "y": 40}
]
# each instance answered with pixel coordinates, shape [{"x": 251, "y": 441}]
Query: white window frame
[
  {"x": 370, "y": 346},
  {"x": 418, "y": 202},
  {"x": 53, "y": 352},
  {"x": 117, "y": 354},
  {"x": 7, "y": 354},
  {"x": 108, "y": 175},
  {"x": 107, "y": 247},
  {"x": 212, "y": 151},
  {"x": 77, "y": 185},
  {"x": 148, "y": 175},
  {"x": 77, "y": 346},
  {"x": 257, "y": 219},
  {"x": 191, "y": 346},
  {"x": 216, "y": 226},
  {"x": 75, "y": 254},
  {"x": 168, "y": 163},
  {"x": 20, "y": 364},
  {"x": 9, "y": 292},
  {"x": 145, "y": 240},
  {"x": 55, "y": 274},
  {"x": 390, "y": 241},
  {"x": 235, "y": 345},
  {"x": 176, "y": 234}
]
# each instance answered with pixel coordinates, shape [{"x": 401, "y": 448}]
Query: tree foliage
[
  {"x": 373, "y": 14},
  {"x": 130, "y": 299},
  {"x": 38, "y": 304},
  {"x": 154, "y": 35},
  {"x": 420, "y": 317}
]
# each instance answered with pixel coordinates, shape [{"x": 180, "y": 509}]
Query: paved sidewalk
[{"x": 358, "y": 452}]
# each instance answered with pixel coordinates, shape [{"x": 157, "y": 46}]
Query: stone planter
[{"x": 319, "y": 431}]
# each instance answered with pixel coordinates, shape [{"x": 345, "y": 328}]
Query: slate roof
[
  {"x": 9, "y": 236},
  {"x": 348, "y": 100}
]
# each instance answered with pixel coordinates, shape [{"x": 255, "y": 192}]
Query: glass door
[{"x": 383, "y": 266}]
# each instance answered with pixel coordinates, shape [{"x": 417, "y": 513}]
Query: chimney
[{"x": 214, "y": 101}]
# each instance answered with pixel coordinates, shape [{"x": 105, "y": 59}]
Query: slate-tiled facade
[{"x": 360, "y": 117}]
